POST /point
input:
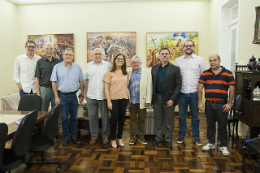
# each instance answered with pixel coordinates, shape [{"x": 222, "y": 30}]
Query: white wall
[
  {"x": 246, "y": 31},
  {"x": 142, "y": 17},
  {"x": 8, "y": 45}
]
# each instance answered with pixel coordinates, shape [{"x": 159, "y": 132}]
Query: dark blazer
[{"x": 171, "y": 85}]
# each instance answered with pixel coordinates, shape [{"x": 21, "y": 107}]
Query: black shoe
[
  {"x": 65, "y": 142},
  {"x": 197, "y": 141},
  {"x": 180, "y": 140},
  {"x": 58, "y": 136},
  {"x": 168, "y": 144},
  {"x": 155, "y": 142},
  {"x": 75, "y": 141}
]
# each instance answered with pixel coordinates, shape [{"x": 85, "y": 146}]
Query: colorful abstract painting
[
  {"x": 60, "y": 41},
  {"x": 171, "y": 40},
  {"x": 112, "y": 43}
]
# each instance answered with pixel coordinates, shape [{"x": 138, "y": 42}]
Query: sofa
[{"x": 10, "y": 102}]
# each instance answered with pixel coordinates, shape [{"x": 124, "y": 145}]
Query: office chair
[
  {"x": 30, "y": 102},
  {"x": 41, "y": 143},
  {"x": 18, "y": 154},
  {"x": 3, "y": 134}
]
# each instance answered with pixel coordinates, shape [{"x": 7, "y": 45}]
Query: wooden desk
[{"x": 12, "y": 127}]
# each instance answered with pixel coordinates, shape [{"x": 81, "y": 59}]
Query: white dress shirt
[
  {"x": 191, "y": 69},
  {"x": 95, "y": 74},
  {"x": 24, "y": 71}
]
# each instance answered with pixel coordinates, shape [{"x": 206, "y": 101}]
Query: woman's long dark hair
[{"x": 123, "y": 68}]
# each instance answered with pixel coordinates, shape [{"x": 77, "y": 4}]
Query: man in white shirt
[
  {"x": 191, "y": 67},
  {"x": 96, "y": 98},
  {"x": 24, "y": 69}
]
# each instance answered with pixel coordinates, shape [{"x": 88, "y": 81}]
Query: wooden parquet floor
[{"x": 181, "y": 158}]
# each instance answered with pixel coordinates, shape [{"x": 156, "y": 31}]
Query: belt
[
  {"x": 69, "y": 93},
  {"x": 46, "y": 86},
  {"x": 217, "y": 102}
]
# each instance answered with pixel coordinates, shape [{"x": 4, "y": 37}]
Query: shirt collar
[
  {"x": 165, "y": 65},
  {"x": 192, "y": 56},
  {"x": 45, "y": 58},
  {"x": 65, "y": 64},
  {"x": 138, "y": 71},
  {"x": 28, "y": 56},
  {"x": 223, "y": 69},
  {"x": 99, "y": 63}
]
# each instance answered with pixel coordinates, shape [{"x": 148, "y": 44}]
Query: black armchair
[
  {"x": 18, "y": 154},
  {"x": 30, "y": 102},
  {"x": 41, "y": 143},
  {"x": 3, "y": 134}
]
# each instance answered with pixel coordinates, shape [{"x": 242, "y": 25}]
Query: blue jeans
[
  {"x": 190, "y": 99},
  {"x": 22, "y": 93},
  {"x": 69, "y": 105}
]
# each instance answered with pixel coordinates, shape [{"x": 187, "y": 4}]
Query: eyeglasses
[
  {"x": 97, "y": 54},
  {"x": 120, "y": 59},
  {"x": 68, "y": 54},
  {"x": 188, "y": 46},
  {"x": 30, "y": 47},
  {"x": 164, "y": 53}
]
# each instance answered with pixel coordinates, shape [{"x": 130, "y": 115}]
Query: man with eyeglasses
[
  {"x": 43, "y": 84},
  {"x": 43, "y": 72},
  {"x": 66, "y": 78},
  {"x": 96, "y": 98},
  {"x": 24, "y": 69},
  {"x": 191, "y": 67},
  {"x": 166, "y": 87},
  {"x": 140, "y": 90}
]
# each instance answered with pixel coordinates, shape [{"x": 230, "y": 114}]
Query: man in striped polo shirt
[{"x": 216, "y": 82}]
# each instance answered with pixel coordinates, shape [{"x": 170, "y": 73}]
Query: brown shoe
[
  {"x": 105, "y": 141},
  {"x": 132, "y": 141},
  {"x": 92, "y": 142},
  {"x": 143, "y": 141}
]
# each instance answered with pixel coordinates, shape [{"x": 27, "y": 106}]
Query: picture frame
[
  {"x": 60, "y": 42},
  {"x": 112, "y": 43},
  {"x": 256, "y": 39},
  {"x": 172, "y": 40}
]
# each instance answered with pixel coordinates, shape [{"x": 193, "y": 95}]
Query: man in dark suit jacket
[{"x": 166, "y": 87}]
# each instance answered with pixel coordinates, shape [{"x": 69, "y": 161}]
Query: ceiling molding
[{"x": 76, "y": 1}]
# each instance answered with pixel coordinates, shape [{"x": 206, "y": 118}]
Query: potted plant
[{"x": 85, "y": 108}]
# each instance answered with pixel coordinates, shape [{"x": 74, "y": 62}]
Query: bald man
[
  {"x": 216, "y": 82},
  {"x": 96, "y": 98}
]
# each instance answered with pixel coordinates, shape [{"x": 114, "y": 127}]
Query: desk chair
[
  {"x": 41, "y": 143},
  {"x": 3, "y": 134},
  {"x": 30, "y": 102},
  {"x": 18, "y": 154}
]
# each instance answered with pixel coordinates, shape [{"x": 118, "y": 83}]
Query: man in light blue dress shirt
[
  {"x": 191, "y": 67},
  {"x": 65, "y": 78}
]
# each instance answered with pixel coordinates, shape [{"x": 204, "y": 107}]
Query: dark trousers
[
  {"x": 214, "y": 113},
  {"x": 164, "y": 118},
  {"x": 134, "y": 111},
  {"x": 118, "y": 117}
]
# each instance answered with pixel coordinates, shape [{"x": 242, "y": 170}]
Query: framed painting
[
  {"x": 155, "y": 41},
  {"x": 256, "y": 39},
  {"x": 112, "y": 43},
  {"x": 60, "y": 41}
]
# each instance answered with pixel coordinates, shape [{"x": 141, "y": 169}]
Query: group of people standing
[{"x": 113, "y": 88}]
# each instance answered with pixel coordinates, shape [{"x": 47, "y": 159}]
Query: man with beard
[
  {"x": 191, "y": 67},
  {"x": 216, "y": 82},
  {"x": 24, "y": 69},
  {"x": 166, "y": 80}
]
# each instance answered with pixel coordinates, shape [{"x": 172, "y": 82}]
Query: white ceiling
[{"x": 66, "y": 1}]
